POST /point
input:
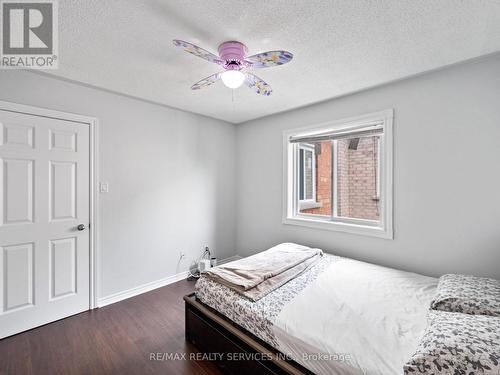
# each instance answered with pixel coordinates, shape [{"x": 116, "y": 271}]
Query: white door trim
[{"x": 93, "y": 124}]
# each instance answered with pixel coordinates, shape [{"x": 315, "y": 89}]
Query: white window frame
[
  {"x": 308, "y": 203},
  {"x": 382, "y": 228}
]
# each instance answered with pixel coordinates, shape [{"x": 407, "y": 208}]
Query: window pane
[
  {"x": 308, "y": 174},
  {"x": 301, "y": 174},
  {"x": 317, "y": 179},
  {"x": 357, "y": 178}
]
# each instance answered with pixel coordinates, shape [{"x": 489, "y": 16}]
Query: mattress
[{"x": 340, "y": 317}]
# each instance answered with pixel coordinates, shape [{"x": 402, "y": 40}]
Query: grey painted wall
[
  {"x": 446, "y": 174},
  {"x": 171, "y": 176}
]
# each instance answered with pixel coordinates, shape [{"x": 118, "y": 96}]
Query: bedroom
[{"x": 376, "y": 141}]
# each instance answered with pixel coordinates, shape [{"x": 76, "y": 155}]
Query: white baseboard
[{"x": 132, "y": 292}]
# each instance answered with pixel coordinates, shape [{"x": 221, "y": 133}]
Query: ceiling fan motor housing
[{"x": 233, "y": 55}]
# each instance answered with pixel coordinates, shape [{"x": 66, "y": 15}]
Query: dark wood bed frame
[{"x": 211, "y": 332}]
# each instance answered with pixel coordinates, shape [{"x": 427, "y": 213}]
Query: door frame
[{"x": 93, "y": 124}]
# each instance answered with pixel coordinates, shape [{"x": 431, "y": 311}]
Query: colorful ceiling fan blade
[
  {"x": 197, "y": 51},
  {"x": 257, "y": 84},
  {"x": 268, "y": 59},
  {"x": 206, "y": 81}
]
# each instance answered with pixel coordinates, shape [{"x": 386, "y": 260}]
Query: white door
[{"x": 44, "y": 197}]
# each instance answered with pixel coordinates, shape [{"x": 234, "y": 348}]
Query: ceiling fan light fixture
[
  {"x": 233, "y": 78},
  {"x": 233, "y": 58}
]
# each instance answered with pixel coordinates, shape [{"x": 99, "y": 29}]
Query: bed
[{"x": 340, "y": 317}]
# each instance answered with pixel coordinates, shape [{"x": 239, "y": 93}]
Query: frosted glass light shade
[{"x": 233, "y": 78}]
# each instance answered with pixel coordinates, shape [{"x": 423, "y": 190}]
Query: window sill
[
  {"x": 337, "y": 226},
  {"x": 309, "y": 205}
]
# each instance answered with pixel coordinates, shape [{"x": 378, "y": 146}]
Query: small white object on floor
[{"x": 204, "y": 265}]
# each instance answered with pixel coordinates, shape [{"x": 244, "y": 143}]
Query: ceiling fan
[{"x": 232, "y": 57}]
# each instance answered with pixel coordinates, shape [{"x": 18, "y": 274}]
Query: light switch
[{"x": 104, "y": 187}]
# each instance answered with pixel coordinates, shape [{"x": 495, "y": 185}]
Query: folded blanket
[{"x": 260, "y": 274}]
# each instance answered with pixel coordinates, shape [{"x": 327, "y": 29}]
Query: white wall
[
  {"x": 171, "y": 176},
  {"x": 446, "y": 174}
]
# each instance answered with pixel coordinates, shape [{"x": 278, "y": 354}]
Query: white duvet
[{"x": 356, "y": 318}]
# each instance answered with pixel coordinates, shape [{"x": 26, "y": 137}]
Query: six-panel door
[{"x": 44, "y": 196}]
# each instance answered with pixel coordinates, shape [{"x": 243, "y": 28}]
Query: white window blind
[{"x": 351, "y": 132}]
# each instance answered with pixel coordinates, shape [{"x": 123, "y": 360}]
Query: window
[
  {"x": 338, "y": 175},
  {"x": 306, "y": 176}
]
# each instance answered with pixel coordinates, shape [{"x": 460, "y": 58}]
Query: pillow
[
  {"x": 456, "y": 343},
  {"x": 467, "y": 294}
]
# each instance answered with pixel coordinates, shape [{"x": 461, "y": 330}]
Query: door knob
[{"x": 81, "y": 227}]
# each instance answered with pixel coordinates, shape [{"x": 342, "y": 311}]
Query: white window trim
[
  {"x": 382, "y": 228},
  {"x": 378, "y": 169},
  {"x": 334, "y": 198},
  {"x": 309, "y": 203}
]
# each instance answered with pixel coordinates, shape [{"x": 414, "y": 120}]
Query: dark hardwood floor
[{"x": 116, "y": 339}]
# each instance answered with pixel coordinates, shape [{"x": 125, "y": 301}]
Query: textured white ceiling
[{"x": 339, "y": 46}]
